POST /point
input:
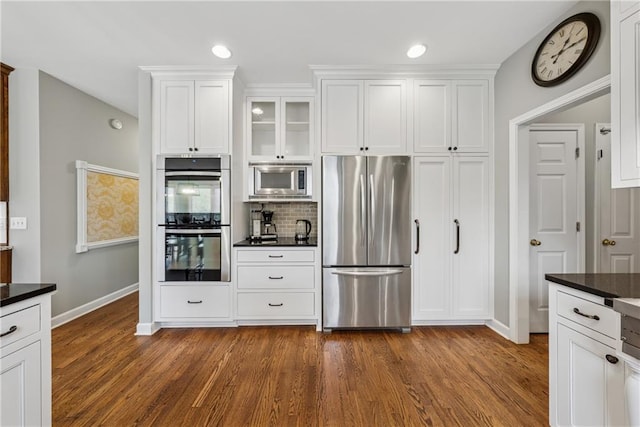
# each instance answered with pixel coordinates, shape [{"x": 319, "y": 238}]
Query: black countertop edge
[
  {"x": 12, "y": 293},
  {"x": 606, "y": 285},
  {"x": 281, "y": 242}
]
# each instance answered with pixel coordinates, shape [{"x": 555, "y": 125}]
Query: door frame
[
  {"x": 597, "y": 196},
  {"x": 519, "y": 201}
]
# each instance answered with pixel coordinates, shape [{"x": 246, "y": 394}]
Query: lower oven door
[{"x": 200, "y": 255}]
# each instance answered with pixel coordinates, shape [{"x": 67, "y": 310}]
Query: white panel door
[
  {"x": 212, "y": 116},
  {"x": 385, "y": 116},
  {"x": 176, "y": 116},
  {"x": 618, "y": 240},
  {"x": 470, "y": 240},
  {"x": 432, "y": 116},
  {"x": 20, "y": 378},
  {"x": 471, "y": 116},
  {"x": 342, "y": 116},
  {"x": 553, "y": 213},
  {"x": 432, "y": 264},
  {"x": 592, "y": 385}
]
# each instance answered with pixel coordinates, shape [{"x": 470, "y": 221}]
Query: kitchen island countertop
[
  {"x": 607, "y": 285},
  {"x": 11, "y": 293}
]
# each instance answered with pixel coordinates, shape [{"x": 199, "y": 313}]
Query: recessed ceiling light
[
  {"x": 221, "y": 51},
  {"x": 416, "y": 51}
]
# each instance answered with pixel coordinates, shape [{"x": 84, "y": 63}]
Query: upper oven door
[
  {"x": 197, "y": 198},
  {"x": 279, "y": 181}
]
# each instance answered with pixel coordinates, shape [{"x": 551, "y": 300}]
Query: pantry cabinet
[
  {"x": 625, "y": 94},
  {"x": 192, "y": 116},
  {"x": 451, "y": 116},
  {"x": 364, "y": 117},
  {"x": 280, "y": 129},
  {"x": 451, "y": 267}
]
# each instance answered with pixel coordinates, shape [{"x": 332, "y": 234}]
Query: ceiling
[{"x": 97, "y": 46}]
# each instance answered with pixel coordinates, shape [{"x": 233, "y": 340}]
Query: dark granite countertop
[
  {"x": 609, "y": 286},
  {"x": 13, "y": 292},
  {"x": 282, "y": 241}
]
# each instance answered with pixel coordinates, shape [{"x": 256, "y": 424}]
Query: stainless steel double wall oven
[{"x": 194, "y": 214}]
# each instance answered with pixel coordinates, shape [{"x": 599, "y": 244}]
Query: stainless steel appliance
[
  {"x": 303, "y": 230},
  {"x": 274, "y": 181},
  {"x": 270, "y": 229},
  {"x": 629, "y": 309},
  {"x": 366, "y": 242},
  {"x": 194, "y": 218}
]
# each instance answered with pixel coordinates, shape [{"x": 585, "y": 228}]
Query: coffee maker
[{"x": 269, "y": 230}]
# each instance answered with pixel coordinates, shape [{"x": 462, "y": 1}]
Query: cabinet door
[
  {"x": 432, "y": 116},
  {"x": 590, "y": 388},
  {"x": 470, "y": 241},
  {"x": 263, "y": 130},
  {"x": 296, "y": 129},
  {"x": 471, "y": 116},
  {"x": 385, "y": 117},
  {"x": 342, "y": 116},
  {"x": 20, "y": 387},
  {"x": 625, "y": 101},
  {"x": 432, "y": 263},
  {"x": 212, "y": 116},
  {"x": 176, "y": 116}
]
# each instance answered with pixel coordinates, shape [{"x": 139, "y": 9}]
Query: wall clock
[{"x": 566, "y": 49}]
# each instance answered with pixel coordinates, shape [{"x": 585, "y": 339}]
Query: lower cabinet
[
  {"x": 189, "y": 302},
  {"x": 277, "y": 286},
  {"x": 25, "y": 363},
  {"x": 632, "y": 392}
]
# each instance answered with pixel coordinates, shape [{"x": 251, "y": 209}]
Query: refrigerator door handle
[
  {"x": 374, "y": 273},
  {"x": 363, "y": 216},
  {"x": 372, "y": 209}
]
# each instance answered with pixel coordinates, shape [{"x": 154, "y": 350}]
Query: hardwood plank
[{"x": 292, "y": 376}]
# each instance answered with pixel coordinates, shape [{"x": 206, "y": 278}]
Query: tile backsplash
[{"x": 285, "y": 215}]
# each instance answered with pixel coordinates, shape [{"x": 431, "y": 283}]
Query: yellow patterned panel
[{"x": 112, "y": 207}]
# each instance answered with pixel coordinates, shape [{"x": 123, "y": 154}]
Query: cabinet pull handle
[
  {"x": 589, "y": 316},
  {"x": 457, "y": 236},
  {"x": 276, "y": 256},
  {"x": 611, "y": 359},
  {"x": 10, "y": 331},
  {"x": 276, "y": 305},
  {"x": 417, "y": 236},
  {"x": 276, "y": 278},
  {"x": 194, "y": 302}
]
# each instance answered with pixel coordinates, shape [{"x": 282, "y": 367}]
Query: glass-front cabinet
[{"x": 279, "y": 128}]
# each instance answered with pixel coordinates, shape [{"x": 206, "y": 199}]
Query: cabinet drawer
[
  {"x": 277, "y": 277},
  {"x": 195, "y": 301},
  {"x": 19, "y": 324},
  {"x": 276, "y": 304},
  {"x": 275, "y": 255},
  {"x": 607, "y": 318}
]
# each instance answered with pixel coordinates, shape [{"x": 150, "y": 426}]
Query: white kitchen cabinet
[
  {"x": 280, "y": 128},
  {"x": 25, "y": 362},
  {"x": 364, "y": 117},
  {"x": 586, "y": 376},
  {"x": 625, "y": 94},
  {"x": 203, "y": 302},
  {"x": 277, "y": 285},
  {"x": 451, "y": 268},
  {"x": 632, "y": 391},
  {"x": 192, "y": 115},
  {"x": 451, "y": 116}
]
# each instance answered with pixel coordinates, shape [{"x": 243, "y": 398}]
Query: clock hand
[
  {"x": 557, "y": 55},
  {"x": 573, "y": 44}
]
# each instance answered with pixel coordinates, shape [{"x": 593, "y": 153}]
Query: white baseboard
[
  {"x": 473, "y": 322},
  {"x": 499, "y": 328},
  {"x": 68, "y": 316},
  {"x": 145, "y": 329}
]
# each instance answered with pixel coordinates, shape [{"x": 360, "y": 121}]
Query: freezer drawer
[{"x": 366, "y": 297}]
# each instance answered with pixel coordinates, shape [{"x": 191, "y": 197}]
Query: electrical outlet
[{"x": 18, "y": 223}]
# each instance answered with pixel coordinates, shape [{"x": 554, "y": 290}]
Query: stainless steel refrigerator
[{"x": 366, "y": 242}]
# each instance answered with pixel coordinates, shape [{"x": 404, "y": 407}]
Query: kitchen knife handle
[
  {"x": 457, "y": 236},
  {"x": 417, "y": 236}
]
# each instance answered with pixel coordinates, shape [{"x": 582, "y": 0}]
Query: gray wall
[
  {"x": 72, "y": 126},
  {"x": 515, "y": 94}
]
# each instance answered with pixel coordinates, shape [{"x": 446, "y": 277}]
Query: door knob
[
  {"x": 535, "y": 242},
  {"x": 607, "y": 242}
]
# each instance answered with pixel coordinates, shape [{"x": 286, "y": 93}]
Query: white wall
[
  {"x": 69, "y": 125},
  {"x": 515, "y": 94}
]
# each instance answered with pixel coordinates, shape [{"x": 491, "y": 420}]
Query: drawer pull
[
  {"x": 611, "y": 359},
  {"x": 589, "y": 316},
  {"x": 276, "y": 305},
  {"x": 276, "y": 278},
  {"x": 10, "y": 331},
  {"x": 276, "y": 256},
  {"x": 194, "y": 302}
]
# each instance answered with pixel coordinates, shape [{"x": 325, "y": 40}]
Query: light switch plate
[{"x": 18, "y": 223}]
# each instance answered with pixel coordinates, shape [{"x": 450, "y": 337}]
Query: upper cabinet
[
  {"x": 364, "y": 116},
  {"x": 451, "y": 116},
  {"x": 280, "y": 128},
  {"x": 625, "y": 94},
  {"x": 192, "y": 116}
]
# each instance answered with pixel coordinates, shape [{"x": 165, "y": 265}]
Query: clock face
[{"x": 566, "y": 49}]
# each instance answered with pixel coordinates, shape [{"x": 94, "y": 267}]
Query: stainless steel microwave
[{"x": 277, "y": 181}]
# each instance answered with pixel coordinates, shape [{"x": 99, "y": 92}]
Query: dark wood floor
[{"x": 281, "y": 376}]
